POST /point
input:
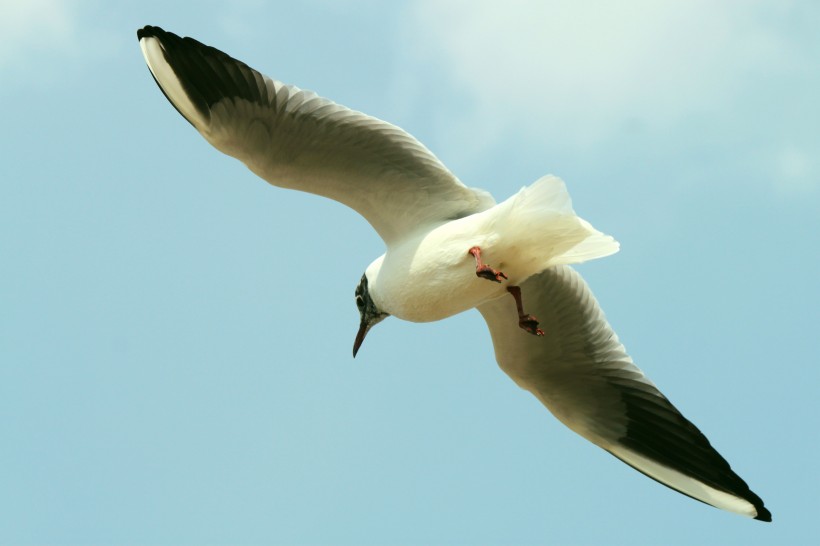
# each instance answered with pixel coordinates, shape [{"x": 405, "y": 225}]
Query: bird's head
[{"x": 370, "y": 314}]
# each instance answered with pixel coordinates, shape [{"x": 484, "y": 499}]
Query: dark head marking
[{"x": 369, "y": 313}]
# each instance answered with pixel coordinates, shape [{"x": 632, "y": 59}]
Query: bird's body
[
  {"x": 429, "y": 275},
  {"x": 451, "y": 248}
]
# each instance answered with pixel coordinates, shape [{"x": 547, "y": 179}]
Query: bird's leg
[
  {"x": 525, "y": 321},
  {"x": 482, "y": 270}
]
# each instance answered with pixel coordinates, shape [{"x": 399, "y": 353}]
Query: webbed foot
[
  {"x": 526, "y": 322},
  {"x": 485, "y": 271},
  {"x": 530, "y": 324}
]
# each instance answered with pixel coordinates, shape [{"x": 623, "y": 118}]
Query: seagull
[{"x": 450, "y": 248}]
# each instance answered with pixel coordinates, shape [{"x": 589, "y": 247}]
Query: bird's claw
[
  {"x": 487, "y": 272},
  {"x": 530, "y": 324}
]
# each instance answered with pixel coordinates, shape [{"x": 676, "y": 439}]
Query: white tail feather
[{"x": 540, "y": 218}]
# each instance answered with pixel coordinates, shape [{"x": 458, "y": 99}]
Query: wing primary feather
[
  {"x": 295, "y": 139},
  {"x": 583, "y": 375}
]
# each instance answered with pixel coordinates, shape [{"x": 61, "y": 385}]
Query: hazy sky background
[{"x": 175, "y": 334}]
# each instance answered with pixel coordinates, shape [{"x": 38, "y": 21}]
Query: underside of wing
[
  {"x": 581, "y": 372},
  {"x": 295, "y": 139}
]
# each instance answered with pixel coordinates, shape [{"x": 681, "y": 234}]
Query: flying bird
[{"x": 451, "y": 248}]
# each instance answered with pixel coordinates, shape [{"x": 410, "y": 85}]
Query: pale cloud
[
  {"x": 43, "y": 42},
  {"x": 586, "y": 70},
  {"x": 33, "y": 27}
]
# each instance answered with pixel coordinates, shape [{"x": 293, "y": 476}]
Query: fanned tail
[{"x": 540, "y": 218}]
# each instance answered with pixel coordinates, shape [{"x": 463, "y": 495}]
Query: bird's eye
[{"x": 359, "y": 302}]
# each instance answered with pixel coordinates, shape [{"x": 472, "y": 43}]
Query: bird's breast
[{"x": 433, "y": 276}]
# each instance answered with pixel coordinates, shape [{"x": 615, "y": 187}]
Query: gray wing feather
[
  {"x": 296, "y": 139},
  {"x": 582, "y": 373}
]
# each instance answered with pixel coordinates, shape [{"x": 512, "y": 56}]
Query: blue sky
[{"x": 175, "y": 334}]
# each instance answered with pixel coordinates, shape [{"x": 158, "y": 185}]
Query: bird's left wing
[
  {"x": 583, "y": 375},
  {"x": 295, "y": 139}
]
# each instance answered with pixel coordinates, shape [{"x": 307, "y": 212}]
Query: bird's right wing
[
  {"x": 583, "y": 375},
  {"x": 295, "y": 139}
]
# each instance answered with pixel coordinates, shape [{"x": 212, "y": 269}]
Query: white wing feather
[
  {"x": 295, "y": 139},
  {"x": 583, "y": 375}
]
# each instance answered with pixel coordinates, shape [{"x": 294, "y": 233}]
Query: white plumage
[{"x": 429, "y": 221}]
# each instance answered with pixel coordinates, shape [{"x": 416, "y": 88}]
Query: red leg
[
  {"x": 525, "y": 321},
  {"x": 485, "y": 271}
]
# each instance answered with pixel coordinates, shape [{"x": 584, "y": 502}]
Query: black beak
[{"x": 363, "y": 328}]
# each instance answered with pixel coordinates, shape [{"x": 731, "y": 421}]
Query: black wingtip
[
  {"x": 657, "y": 430},
  {"x": 149, "y": 31},
  {"x": 763, "y": 514},
  {"x": 207, "y": 74}
]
